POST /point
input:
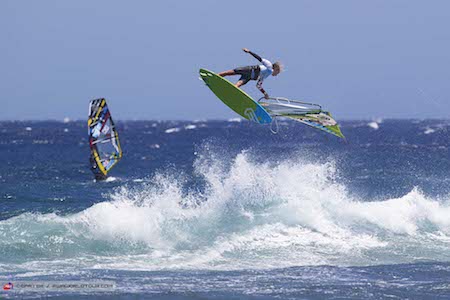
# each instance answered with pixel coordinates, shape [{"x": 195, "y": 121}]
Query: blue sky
[{"x": 359, "y": 59}]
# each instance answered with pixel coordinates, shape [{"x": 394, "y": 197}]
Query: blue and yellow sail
[{"x": 103, "y": 139}]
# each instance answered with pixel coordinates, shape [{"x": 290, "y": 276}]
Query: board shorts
[{"x": 247, "y": 73}]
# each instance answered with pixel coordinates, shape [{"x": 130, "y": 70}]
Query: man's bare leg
[
  {"x": 227, "y": 73},
  {"x": 239, "y": 83}
]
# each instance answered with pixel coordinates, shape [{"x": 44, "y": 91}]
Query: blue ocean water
[{"x": 228, "y": 210}]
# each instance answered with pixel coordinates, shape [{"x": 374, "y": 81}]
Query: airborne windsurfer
[{"x": 257, "y": 72}]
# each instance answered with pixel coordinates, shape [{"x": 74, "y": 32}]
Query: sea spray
[{"x": 248, "y": 214}]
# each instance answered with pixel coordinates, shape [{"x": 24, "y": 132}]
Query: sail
[
  {"x": 307, "y": 113},
  {"x": 103, "y": 139},
  {"x": 322, "y": 120}
]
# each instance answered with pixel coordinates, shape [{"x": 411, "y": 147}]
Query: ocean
[{"x": 229, "y": 210}]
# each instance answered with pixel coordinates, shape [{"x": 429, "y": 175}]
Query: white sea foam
[
  {"x": 190, "y": 127},
  {"x": 429, "y": 130},
  {"x": 250, "y": 215},
  {"x": 41, "y": 141},
  {"x": 373, "y": 125},
  {"x": 235, "y": 120},
  {"x": 172, "y": 130},
  {"x": 111, "y": 179}
]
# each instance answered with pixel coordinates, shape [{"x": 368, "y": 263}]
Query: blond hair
[{"x": 279, "y": 65}]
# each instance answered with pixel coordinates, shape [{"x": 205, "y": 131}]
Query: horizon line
[{"x": 236, "y": 119}]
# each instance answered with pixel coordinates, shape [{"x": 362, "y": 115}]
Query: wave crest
[{"x": 247, "y": 214}]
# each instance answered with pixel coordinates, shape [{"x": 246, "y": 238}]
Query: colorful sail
[
  {"x": 103, "y": 139},
  {"x": 307, "y": 113},
  {"x": 321, "y": 120}
]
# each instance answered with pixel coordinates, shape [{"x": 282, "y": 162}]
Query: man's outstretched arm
[{"x": 253, "y": 54}]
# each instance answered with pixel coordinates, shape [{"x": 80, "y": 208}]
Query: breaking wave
[{"x": 247, "y": 214}]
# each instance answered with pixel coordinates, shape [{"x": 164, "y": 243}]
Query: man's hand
[
  {"x": 266, "y": 96},
  {"x": 245, "y": 50}
]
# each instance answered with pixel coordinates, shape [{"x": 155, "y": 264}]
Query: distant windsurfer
[
  {"x": 103, "y": 139},
  {"x": 258, "y": 72},
  {"x": 99, "y": 176}
]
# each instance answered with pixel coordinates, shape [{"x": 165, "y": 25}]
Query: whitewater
[{"x": 294, "y": 220}]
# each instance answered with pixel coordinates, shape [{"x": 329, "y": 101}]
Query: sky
[{"x": 359, "y": 59}]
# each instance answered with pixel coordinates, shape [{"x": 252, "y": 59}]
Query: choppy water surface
[{"x": 224, "y": 209}]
